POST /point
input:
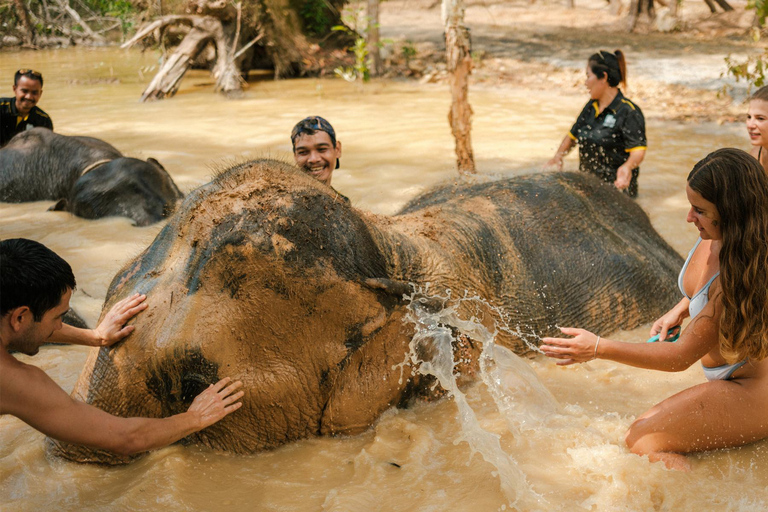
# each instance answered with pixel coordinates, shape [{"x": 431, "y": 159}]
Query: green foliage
[
  {"x": 408, "y": 51},
  {"x": 316, "y": 17},
  {"x": 360, "y": 70},
  {"x": 123, "y": 10},
  {"x": 752, "y": 71},
  {"x": 97, "y": 12},
  {"x": 761, "y": 10}
]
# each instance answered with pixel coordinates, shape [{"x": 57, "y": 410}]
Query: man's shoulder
[
  {"x": 20, "y": 381},
  {"x": 40, "y": 112},
  {"x": 5, "y": 105}
]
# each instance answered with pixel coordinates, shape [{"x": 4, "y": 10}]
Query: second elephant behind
[{"x": 86, "y": 176}]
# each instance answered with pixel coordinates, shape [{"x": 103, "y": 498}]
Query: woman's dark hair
[
  {"x": 737, "y": 185},
  {"x": 609, "y": 64},
  {"x": 32, "y": 275}
]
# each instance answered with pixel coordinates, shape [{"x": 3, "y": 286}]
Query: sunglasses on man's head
[{"x": 30, "y": 72}]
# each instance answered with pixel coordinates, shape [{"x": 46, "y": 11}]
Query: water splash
[{"x": 437, "y": 320}]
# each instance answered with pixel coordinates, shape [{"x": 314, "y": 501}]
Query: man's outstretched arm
[
  {"x": 32, "y": 396},
  {"x": 111, "y": 329}
]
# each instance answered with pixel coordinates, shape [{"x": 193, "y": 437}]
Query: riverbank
[{"x": 543, "y": 45}]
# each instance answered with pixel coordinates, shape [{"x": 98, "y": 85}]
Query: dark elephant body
[
  {"x": 265, "y": 276},
  {"x": 87, "y": 176}
]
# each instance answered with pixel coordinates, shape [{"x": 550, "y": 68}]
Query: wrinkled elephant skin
[{"x": 263, "y": 275}]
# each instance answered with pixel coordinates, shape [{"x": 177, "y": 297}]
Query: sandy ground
[{"x": 541, "y": 44}]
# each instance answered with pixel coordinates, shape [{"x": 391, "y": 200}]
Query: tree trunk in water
[
  {"x": 167, "y": 80},
  {"x": 459, "y": 59},
  {"x": 373, "y": 37},
  {"x": 204, "y": 30},
  {"x": 29, "y": 30}
]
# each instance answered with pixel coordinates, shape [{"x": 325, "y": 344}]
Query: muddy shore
[{"x": 542, "y": 45}]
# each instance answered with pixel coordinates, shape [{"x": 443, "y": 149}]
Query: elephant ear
[
  {"x": 153, "y": 161},
  {"x": 62, "y": 205}
]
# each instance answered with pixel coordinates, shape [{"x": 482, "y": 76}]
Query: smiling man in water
[
  {"x": 21, "y": 112},
  {"x": 316, "y": 150}
]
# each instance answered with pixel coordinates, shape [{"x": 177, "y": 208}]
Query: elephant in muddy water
[
  {"x": 86, "y": 176},
  {"x": 264, "y": 275}
]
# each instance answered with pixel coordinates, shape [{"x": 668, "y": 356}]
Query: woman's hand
[
  {"x": 554, "y": 164},
  {"x": 579, "y": 349},
  {"x": 623, "y": 177},
  {"x": 671, "y": 318}
]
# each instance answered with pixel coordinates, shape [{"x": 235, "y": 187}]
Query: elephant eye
[{"x": 177, "y": 379}]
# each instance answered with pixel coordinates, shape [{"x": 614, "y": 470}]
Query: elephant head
[{"x": 266, "y": 277}]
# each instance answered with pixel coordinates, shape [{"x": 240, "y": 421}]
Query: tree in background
[
  {"x": 282, "y": 35},
  {"x": 459, "y": 60}
]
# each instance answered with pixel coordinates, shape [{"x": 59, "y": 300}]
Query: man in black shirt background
[{"x": 21, "y": 112}]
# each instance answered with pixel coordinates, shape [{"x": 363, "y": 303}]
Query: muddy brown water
[{"x": 396, "y": 143}]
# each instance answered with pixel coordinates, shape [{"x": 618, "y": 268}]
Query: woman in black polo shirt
[{"x": 610, "y": 130}]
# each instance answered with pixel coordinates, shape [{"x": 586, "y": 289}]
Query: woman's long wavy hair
[{"x": 738, "y": 187}]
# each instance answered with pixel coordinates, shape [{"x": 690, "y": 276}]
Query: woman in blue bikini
[{"x": 725, "y": 292}]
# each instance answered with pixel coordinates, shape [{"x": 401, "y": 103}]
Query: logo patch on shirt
[{"x": 610, "y": 121}]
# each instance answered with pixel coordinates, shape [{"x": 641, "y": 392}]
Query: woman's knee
[{"x": 640, "y": 438}]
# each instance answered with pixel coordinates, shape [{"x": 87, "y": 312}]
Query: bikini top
[
  {"x": 701, "y": 297},
  {"x": 698, "y": 301}
]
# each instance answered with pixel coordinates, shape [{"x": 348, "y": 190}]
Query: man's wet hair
[
  {"x": 29, "y": 73},
  {"x": 32, "y": 275},
  {"x": 311, "y": 125}
]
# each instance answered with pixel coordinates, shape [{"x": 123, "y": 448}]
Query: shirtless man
[{"x": 36, "y": 287}]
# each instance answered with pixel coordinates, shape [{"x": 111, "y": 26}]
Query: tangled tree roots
[{"x": 270, "y": 29}]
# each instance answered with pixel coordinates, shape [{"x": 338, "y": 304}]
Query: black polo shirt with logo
[
  {"x": 606, "y": 138},
  {"x": 12, "y": 123}
]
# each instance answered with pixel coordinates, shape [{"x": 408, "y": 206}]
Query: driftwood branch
[
  {"x": 160, "y": 23},
  {"x": 64, "y": 5},
  {"x": 250, "y": 43}
]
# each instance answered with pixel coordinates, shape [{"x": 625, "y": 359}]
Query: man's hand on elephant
[
  {"x": 112, "y": 328},
  {"x": 216, "y": 401},
  {"x": 623, "y": 177},
  {"x": 579, "y": 349}
]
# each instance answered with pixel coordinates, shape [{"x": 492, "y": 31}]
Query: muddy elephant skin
[
  {"x": 266, "y": 276},
  {"x": 86, "y": 176}
]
